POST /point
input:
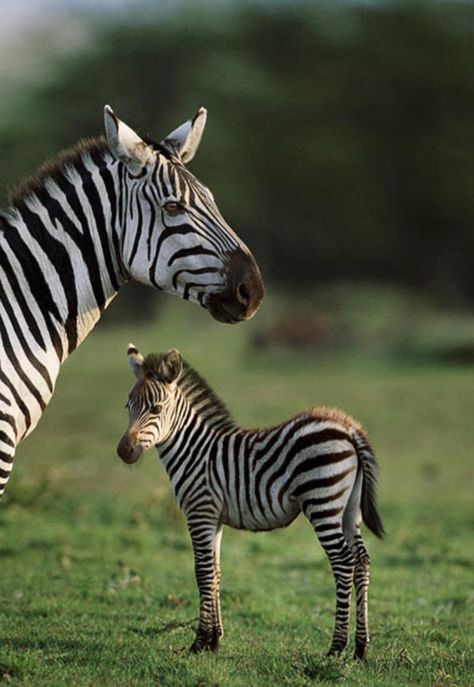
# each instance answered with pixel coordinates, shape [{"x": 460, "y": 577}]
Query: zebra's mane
[
  {"x": 197, "y": 390},
  {"x": 56, "y": 168},
  {"x": 194, "y": 387}
]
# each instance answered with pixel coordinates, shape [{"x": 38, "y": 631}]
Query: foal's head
[{"x": 151, "y": 403}]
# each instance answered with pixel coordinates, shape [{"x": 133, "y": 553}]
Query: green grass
[{"x": 97, "y": 570}]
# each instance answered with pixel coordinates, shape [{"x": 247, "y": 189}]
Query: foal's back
[{"x": 271, "y": 473}]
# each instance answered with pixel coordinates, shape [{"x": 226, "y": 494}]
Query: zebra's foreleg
[{"x": 206, "y": 535}]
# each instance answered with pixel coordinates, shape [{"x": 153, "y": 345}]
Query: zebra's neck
[
  {"x": 61, "y": 229},
  {"x": 59, "y": 264},
  {"x": 199, "y": 419}
]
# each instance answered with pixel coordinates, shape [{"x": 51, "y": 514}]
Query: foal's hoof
[
  {"x": 360, "y": 652},
  {"x": 208, "y": 642},
  {"x": 336, "y": 649}
]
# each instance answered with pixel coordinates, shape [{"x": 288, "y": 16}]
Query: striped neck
[
  {"x": 61, "y": 228},
  {"x": 195, "y": 405}
]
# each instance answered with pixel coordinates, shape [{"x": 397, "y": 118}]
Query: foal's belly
[{"x": 255, "y": 519}]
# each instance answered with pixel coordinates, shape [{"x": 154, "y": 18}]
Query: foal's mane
[
  {"x": 194, "y": 387},
  {"x": 197, "y": 390}
]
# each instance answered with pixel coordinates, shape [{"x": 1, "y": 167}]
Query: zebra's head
[
  {"x": 151, "y": 403},
  {"x": 173, "y": 235}
]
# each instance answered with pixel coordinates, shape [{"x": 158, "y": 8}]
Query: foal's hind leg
[
  {"x": 328, "y": 528},
  {"x": 351, "y": 524},
  {"x": 361, "y": 584}
]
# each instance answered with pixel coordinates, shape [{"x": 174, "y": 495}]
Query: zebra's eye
[
  {"x": 173, "y": 208},
  {"x": 156, "y": 408}
]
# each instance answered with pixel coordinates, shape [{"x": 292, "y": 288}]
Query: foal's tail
[{"x": 368, "y": 503}]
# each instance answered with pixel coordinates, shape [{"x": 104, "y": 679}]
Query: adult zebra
[
  {"x": 110, "y": 210},
  {"x": 318, "y": 462}
]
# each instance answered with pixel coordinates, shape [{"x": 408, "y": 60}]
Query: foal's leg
[
  {"x": 205, "y": 534},
  {"x": 362, "y": 572},
  {"x": 218, "y": 632},
  {"x": 341, "y": 559},
  {"x": 351, "y": 524}
]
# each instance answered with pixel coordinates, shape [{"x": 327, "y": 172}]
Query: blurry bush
[
  {"x": 380, "y": 322},
  {"x": 340, "y": 143}
]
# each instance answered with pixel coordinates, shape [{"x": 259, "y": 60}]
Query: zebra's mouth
[
  {"x": 222, "y": 314},
  {"x": 243, "y": 291}
]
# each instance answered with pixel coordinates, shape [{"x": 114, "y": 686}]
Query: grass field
[{"x": 96, "y": 566}]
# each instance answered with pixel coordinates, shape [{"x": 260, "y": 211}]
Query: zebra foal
[{"x": 318, "y": 462}]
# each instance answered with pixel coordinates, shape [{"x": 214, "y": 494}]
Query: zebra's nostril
[{"x": 243, "y": 294}]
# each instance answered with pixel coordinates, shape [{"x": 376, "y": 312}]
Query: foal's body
[{"x": 318, "y": 463}]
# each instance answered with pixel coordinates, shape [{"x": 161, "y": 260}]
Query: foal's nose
[{"x": 128, "y": 449}]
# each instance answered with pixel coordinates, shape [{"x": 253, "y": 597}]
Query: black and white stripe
[
  {"x": 319, "y": 463},
  {"x": 110, "y": 210}
]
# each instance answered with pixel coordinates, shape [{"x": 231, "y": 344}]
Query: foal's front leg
[{"x": 206, "y": 535}]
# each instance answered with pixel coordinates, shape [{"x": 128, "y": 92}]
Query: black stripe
[
  {"x": 186, "y": 252},
  {"x": 199, "y": 270},
  {"x": 321, "y": 482},
  {"x": 323, "y": 499},
  {"x": 4, "y": 438},
  {"x": 322, "y": 460}
]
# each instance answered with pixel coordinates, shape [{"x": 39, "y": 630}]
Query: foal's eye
[
  {"x": 155, "y": 409},
  {"x": 173, "y": 208}
]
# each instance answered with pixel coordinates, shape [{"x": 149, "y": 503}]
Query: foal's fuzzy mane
[
  {"x": 56, "y": 168},
  {"x": 193, "y": 386}
]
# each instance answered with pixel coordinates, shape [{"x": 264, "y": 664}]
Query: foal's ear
[
  {"x": 170, "y": 366},
  {"x": 125, "y": 144},
  {"x": 135, "y": 360},
  {"x": 186, "y": 138}
]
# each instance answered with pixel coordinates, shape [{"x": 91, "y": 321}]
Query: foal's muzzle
[
  {"x": 128, "y": 449},
  {"x": 243, "y": 293}
]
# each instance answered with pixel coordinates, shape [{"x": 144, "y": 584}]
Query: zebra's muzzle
[
  {"x": 128, "y": 450},
  {"x": 244, "y": 290}
]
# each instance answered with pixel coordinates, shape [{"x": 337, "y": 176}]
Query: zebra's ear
[
  {"x": 170, "y": 366},
  {"x": 186, "y": 138},
  {"x": 135, "y": 360},
  {"x": 125, "y": 144}
]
